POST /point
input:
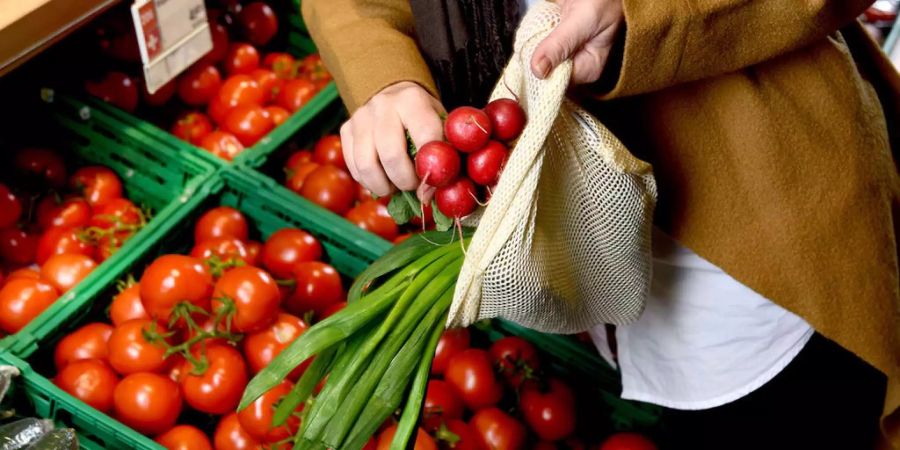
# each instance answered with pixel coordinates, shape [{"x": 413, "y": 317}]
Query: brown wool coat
[{"x": 773, "y": 130}]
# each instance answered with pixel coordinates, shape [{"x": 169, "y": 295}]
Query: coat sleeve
[
  {"x": 367, "y": 45},
  {"x": 668, "y": 42}
]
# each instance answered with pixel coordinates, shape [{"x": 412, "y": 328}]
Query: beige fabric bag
[{"x": 564, "y": 243}]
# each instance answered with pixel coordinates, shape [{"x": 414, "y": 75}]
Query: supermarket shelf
[{"x": 29, "y": 26}]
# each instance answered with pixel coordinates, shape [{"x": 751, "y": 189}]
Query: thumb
[{"x": 559, "y": 45}]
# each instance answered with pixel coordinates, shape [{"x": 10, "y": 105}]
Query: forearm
[{"x": 366, "y": 45}]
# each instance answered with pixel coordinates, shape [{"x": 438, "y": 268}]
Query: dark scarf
[{"x": 466, "y": 44}]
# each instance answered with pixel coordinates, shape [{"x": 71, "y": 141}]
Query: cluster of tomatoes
[
  {"x": 55, "y": 228},
  {"x": 499, "y": 398},
  {"x": 479, "y": 136},
  {"x": 245, "y": 94},
  {"x": 320, "y": 175},
  {"x": 193, "y": 330}
]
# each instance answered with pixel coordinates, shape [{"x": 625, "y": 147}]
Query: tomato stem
[{"x": 444, "y": 434}]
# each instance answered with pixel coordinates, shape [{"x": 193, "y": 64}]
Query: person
[{"x": 772, "y": 127}]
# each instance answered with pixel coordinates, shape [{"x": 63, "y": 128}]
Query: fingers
[
  {"x": 390, "y": 144},
  {"x": 425, "y": 193},
  {"x": 569, "y": 36},
  {"x": 588, "y": 64},
  {"x": 422, "y": 121},
  {"x": 347, "y": 146},
  {"x": 365, "y": 157}
]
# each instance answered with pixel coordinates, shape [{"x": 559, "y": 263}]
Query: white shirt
[{"x": 704, "y": 339}]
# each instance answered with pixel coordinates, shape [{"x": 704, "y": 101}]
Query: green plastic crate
[
  {"x": 265, "y": 211},
  {"x": 295, "y": 40},
  {"x": 35, "y": 396},
  {"x": 153, "y": 174}
]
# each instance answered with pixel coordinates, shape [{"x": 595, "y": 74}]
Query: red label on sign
[{"x": 152, "y": 35}]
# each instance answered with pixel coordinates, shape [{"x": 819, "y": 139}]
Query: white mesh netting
[{"x": 564, "y": 243}]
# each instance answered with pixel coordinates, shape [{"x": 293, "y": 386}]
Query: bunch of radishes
[{"x": 474, "y": 153}]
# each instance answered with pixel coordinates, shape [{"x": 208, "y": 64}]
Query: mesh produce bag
[{"x": 564, "y": 243}]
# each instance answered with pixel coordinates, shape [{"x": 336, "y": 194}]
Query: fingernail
[{"x": 543, "y": 68}]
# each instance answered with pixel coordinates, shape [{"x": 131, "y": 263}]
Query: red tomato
[
  {"x": 278, "y": 114},
  {"x": 162, "y": 95},
  {"x": 67, "y": 270},
  {"x": 268, "y": 82},
  {"x": 363, "y": 194},
  {"x": 298, "y": 176},
  {"x": 118, "y": 213},
  {"x": 257, "y": 418},
  {"x": 453, "y": 341},
  {"x": 442, "y": 403},
  {"x": 458, "y": 435},
  {"x": 498, "y": 431},
  {"x": 371, "y": 444},
  {"x": 184, "y": 437},
  {"x": 172, "y": 279},
  {"x": 217, "y": 110},
  {"x": 261, "y": 347},
  {"x": 258, "y": 22},
  {"x": 318, "y": 287},
  {"x": 17, "y": 246},
  {"x": 241, "y": 59},
  {"x": 130, "y": 352},
  {"x": 253, "y": 296},
  {"x": 221, "y": 221},
  {"x": 227, "y": 250},
  {"x": 551, "y": 412},
  {"x": 627, "y": 441},
  {"x": 148, "y": 402},
  {"x": 218, "y": 390},
  {"x": 192, "y": 127},
  {"x": 220, "y": 42},
  {"x": 97, "y": 184},
  {"x": 423, "y": 440},
  {"x": 240, "y": 90},
  {"x": 297, "y": 159},
  {"x": 329, "y": 151},
  {"x": 222, "y": 144},
  {"x": 516, "y": 359},
  {"x": 91, "y": 381},
  {"x": 88, "y": 342},
  {"x": 31, "y": 273},
  {"x": 61, "y": 240},
  {"x": 329, "y": 311},
  {"x": 314, "y": 69},
  {"x": 249, "y": 123},
  {"x": 10, "y": 207},
  {"x": 401, "y": 238},
  {"x": 287, "y": 247},
  {"x": 471, "y": 373},
  {"x": 126, "y": 305},
  {"x": 230, "y": 435},
  {"x": 254, "y": 250},
  {"x": 283, "y": 64},
  {"x": 331, "y": 188},
  {"x": 295, "y": 94},
  {"x": 43, "y": 163},
  {"x": 71, "y": 212},
  {"x": 199, "y": 84},
  {"x": 115, "y": 88},
  {"x": 373, "y": 216}
]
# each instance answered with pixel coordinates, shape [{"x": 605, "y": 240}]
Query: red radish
[
  {"x": 467, "y": 128},
  {"x": 484, "y": 166},
  {"x": 457, "y": 199},
  {"x": 507, "y": 118},
  {"x": 437, "y": 163}
]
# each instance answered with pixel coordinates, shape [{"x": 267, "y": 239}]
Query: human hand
[
  {"x": 586, "y": 33},
  {"x": 374, "y": 139}
]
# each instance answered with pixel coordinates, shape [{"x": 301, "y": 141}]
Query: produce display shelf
[
  {"x": 266, "y": 213},
  {"x": 299, "y": 44},
  {"x": 153, "y": 174},
  {"x": 29, "y": 26}
]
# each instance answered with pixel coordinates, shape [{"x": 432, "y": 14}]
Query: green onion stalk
[{"x": 375, "y": 353}]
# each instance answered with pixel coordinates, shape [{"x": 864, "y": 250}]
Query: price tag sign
[{"x": 172, "y": 35}]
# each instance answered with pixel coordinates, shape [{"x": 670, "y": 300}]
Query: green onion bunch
[{"x": 374, "y": 352}]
